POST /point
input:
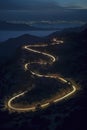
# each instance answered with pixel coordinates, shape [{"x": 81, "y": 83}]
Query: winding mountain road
[{"x": 57, "y": 77}]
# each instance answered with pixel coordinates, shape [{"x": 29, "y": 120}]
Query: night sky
[{"x": 46, "y": 9}]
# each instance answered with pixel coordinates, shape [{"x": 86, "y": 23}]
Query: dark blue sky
[{"x": 43, "y": 9}]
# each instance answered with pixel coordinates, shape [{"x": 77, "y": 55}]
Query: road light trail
[
  {"x": 62, "y": 79},
  {"x": 43, "y": 53},
  {"x": 67, "y": 95},
  {"x": 45, "y": 105},
  {"x": 57, "y": 77},
  {"x": 19, "y": 109}
]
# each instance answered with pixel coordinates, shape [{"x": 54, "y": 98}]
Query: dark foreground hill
[
  {"x": 8, "y": 49},
  {"x": 70, "y": 114},
  {"x": 73, "y": 54}
]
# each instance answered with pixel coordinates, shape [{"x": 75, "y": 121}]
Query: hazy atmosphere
[
  {"x": 43, "y": 64},
  {"x": 43, "y": 10}
]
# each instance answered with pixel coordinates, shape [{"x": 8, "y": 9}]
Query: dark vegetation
[{"x": 70, "y": 114}]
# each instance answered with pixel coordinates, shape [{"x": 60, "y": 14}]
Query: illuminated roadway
[{"x": 57, "y": 77}]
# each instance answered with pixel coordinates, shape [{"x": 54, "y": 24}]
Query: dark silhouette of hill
[
  {"x": 72, "y": 63},
  {"x": 75, "y": 29},
  {"x": 72, "y": 56},
  {"x": 69, "y": 31},
  {"x": 9, "y": 48}
]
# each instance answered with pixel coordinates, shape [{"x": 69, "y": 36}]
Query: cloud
[
  {"x": 74, "y": 7},
  {"x": 38, "y": 9},
  {"x": 7, "y": 5},
  {"x": 27, "y": 4},
  {"x": 35, "y": 5},
  {"x": 40, "y": 4}
]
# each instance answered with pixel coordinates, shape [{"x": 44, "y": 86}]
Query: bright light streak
[
  {"x": 67, "y": 95},
  {"x": 43, "y": 105},
  {"x": 62, "y": 79},
  {"x": 26, "y": 66},
  {"x": 43, "y": 53},
  {"x": 19, "y": 109}
]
